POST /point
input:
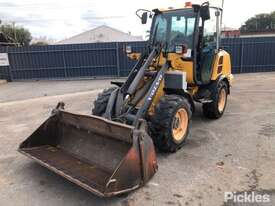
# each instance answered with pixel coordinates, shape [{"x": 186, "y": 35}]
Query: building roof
[
  {"x": 229, "y": 29},
  {"x": 258, "y": 33},
  {"x": 101, "y": 34}
]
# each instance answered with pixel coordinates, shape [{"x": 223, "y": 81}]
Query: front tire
[
  {"x": 100, "y": 104},
  {"x": 171, "y": 123},
  {"x": 216, "y": 108}
]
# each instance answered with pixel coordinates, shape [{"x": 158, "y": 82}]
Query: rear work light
[{"x": 188, "y": 4}]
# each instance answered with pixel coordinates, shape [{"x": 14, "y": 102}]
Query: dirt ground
[{"x": 234, "y": 153}]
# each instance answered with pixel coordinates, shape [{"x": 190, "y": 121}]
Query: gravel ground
[
  {"x": 234, "y": 153},
  {"x": 34, "y": 89}
]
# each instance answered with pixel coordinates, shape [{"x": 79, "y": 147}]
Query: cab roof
[{"x": 173, "y": 9}]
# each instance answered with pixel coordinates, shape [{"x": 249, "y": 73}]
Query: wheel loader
[{"x": 112, "y": 151}]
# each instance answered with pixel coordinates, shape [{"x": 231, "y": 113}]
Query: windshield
[{"x": 174, "y": 28}]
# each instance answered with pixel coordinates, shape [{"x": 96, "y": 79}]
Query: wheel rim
[
  {"x": 222, "y": 100},
  {"x": 180, "y": 125}
]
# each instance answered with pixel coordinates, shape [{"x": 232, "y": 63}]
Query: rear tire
[
  {"x": 171, "y": 122},
  {"x": 100, "y": 104},
  {"x": 215, "y": 109}
]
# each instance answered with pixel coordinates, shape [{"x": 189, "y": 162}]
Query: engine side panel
[{"x": 222, "y": 66}]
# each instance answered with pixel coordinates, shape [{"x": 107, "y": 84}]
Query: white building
[
  {"x": 42, "y": 40},
  {"x": 101, "y": 34}
]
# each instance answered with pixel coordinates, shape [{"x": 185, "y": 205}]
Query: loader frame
[{"x": 112, "y": 152}]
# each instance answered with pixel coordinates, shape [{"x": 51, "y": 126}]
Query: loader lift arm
[{"x": 118, "y": 107}]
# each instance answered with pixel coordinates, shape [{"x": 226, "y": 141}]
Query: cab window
[
  {"x": 209, "y": 32},
  {"x": 182, "y": 29}
]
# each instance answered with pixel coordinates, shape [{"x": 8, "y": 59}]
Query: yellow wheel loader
[{"x": 112, "y": 151}]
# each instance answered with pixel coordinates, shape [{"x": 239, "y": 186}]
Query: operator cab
[{"x": 191, "y": 32}]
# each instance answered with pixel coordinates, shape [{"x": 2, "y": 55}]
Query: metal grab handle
[{"x": 59, "y": 106}]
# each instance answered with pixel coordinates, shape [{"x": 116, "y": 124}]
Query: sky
[{"x": 60, "y": 19}]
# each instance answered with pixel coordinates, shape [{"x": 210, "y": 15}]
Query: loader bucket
[{"x": 105, "y": 157}]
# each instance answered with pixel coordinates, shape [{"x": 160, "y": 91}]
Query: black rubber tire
[
  {"x": 161, "y": 123},
  {"x": 100, "y": 104},
  {"x": 210, "y": 110}
]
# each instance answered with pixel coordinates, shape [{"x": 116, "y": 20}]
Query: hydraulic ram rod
[
  {"x": 141, "y": 72},
  {"x": 152, "y": 92}
]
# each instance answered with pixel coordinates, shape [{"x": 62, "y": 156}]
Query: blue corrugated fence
[{"x": 109, "y": 59}]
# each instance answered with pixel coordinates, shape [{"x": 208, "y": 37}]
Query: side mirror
[
  {"x": 144, "y": 18},
  {"x": 128, "y": 49},
  {"x": 205, "y": 13}
]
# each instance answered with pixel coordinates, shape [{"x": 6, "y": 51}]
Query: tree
[
  {"x": 18, "y": 34},
  {"x": 260, "y": 22}
]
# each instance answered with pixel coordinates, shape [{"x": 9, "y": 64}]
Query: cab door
[{"x": 208, "y": 46}]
